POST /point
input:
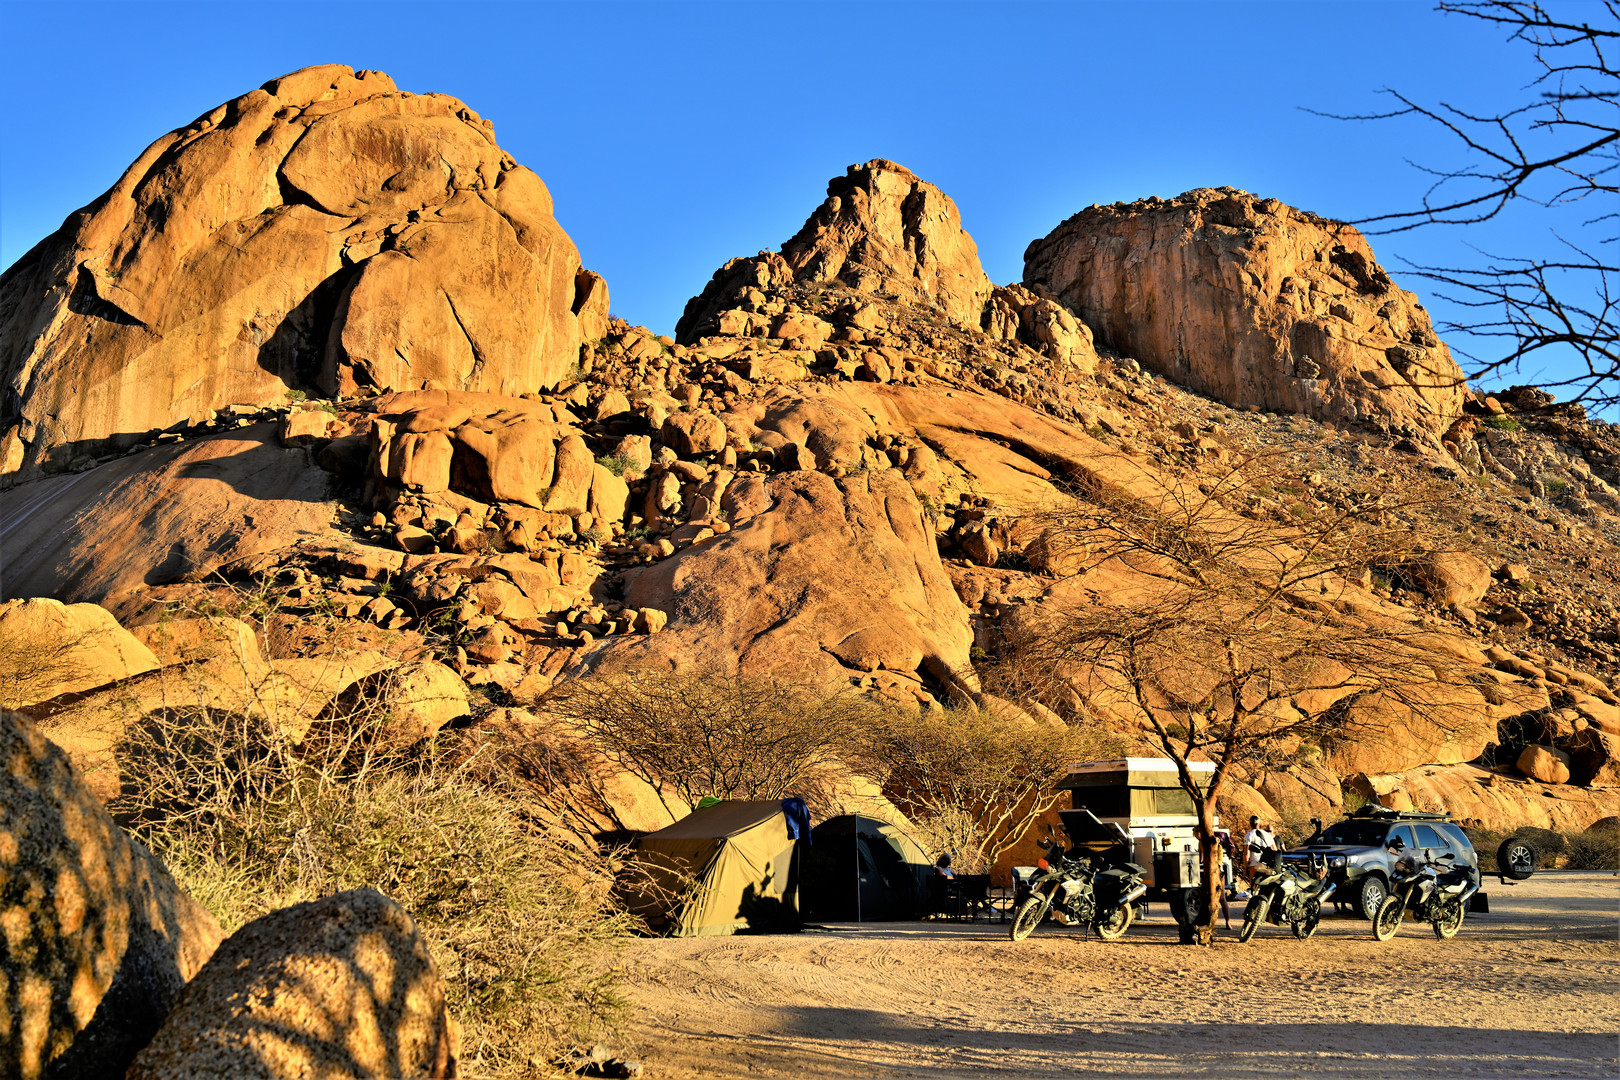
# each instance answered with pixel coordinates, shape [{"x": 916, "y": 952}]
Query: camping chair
[
  {"x": 973, "y": 897},
  {"x": 944, "y": 897}
]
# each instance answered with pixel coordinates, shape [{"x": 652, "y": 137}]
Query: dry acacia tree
[
  {"x": 975, "y": 782},
  {"x": 1227, "y": 639},
  {"x": 701, "y": 734},
  {"x": 1558, "y": 148}
]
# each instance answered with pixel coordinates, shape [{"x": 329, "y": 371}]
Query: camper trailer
[{"x": 1144, "y": 798}]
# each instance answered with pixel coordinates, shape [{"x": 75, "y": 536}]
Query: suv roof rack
[{"x": 1384, "y": 813}]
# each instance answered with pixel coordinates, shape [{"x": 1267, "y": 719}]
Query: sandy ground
[{"x": 1532, "y": 989}]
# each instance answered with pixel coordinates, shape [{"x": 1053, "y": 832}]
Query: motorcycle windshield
[{"x": 1090, "y": 834}]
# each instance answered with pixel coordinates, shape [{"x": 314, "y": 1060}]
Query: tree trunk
[{"x": 1213, "y": 886}]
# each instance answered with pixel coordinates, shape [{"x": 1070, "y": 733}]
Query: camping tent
[
  {"x": 731, "y": 861},
  {"x": 861, "y": 869}
]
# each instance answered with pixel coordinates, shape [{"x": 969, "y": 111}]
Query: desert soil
[{"x": 1532, "y": 989}]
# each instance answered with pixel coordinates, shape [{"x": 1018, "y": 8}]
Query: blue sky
[{"x": 674, "y": 136}]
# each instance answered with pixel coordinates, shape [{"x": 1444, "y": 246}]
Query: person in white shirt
[{"x": 1258, "y": 841}]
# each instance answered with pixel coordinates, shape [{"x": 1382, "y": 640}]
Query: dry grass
[{"x": 517, "y": 914}]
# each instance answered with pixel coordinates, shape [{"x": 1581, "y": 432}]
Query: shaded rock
[
  {"x": 339, "y": 988},
  {"x": 165, "y": 515},
  {"x": 1594, "y": 758},
  {"x": 53, "y": 648},
  {"x": 324, "y": 230},
  {"x": 98, "y": 938},
  {"x": 1254, "y": 303}
]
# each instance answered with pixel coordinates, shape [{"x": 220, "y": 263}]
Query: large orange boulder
[
  {"x": 1254, "y": 303},
  {"x": 759, "y": 599},
  {"x": 880, "y": 228},
  {"x": 326, "y": 231},
  {"x": 97, "y": 940}
]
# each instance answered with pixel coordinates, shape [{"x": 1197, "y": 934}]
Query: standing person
[{"x": 1258, "y": 841}]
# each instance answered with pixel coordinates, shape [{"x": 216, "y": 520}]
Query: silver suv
[{"x": 1357, "y": 851}]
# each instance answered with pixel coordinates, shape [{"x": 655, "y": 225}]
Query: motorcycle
[
  {"x": 1431, "y": 889},
  {"x": 1287, "y": 893},
  {"x": 1081, "y": 890}
]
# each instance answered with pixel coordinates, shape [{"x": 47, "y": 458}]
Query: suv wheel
[
  {"x": 1516, "y": 858},
  {"x": 1370, "y": 896}
]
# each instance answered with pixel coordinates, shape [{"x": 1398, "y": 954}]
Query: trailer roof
[{"x": 1139, "y": 764}]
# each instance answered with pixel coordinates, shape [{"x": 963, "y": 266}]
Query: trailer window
[
  {"x": 1172, "y": 801},
  {"x": 1104, "y": 802}
]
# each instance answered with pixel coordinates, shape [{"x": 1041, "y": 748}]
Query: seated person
[{"x": 942, "y": 867}]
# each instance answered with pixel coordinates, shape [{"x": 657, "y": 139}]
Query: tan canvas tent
[{"x": 736, "y": 858}]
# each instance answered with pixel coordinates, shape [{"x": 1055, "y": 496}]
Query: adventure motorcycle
[
  {"x": 1080, "y": 890},
  {"x": 1431, "y": 889},
  {"x": 1287, "y": 893}
]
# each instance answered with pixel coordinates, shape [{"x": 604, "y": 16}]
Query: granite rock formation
[
  {"x": 324, "y": 232},
  {"x": 1254, "y": 303}
]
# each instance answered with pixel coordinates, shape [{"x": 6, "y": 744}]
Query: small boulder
[
  {"x": 337, "y": 988},
  {"x": 692, "y": 433},
  {"x": 979, "y": 545},
  {"x": 1544, "y": 763},
  {"x": 181, "y": 641},
  {"x": 571, "y": 486},
  {"x": 304, "y": 428},
  {"x": 52, "y": 648},
  {"x": 1450, "y": 577},
  {"x": 609, "y": 495}
]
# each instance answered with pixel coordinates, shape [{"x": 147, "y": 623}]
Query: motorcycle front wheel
[
  {"x": 1112, "y": 926},
  {"x": 1253, "y": 916},
  {"x": 1388, "y": 919},
  {"x": 1029, "y": 916},
  {"x": 1307, "y": 926},
  {"x": 1447, "y": 925}
]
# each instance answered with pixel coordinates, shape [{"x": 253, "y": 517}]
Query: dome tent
[
  {"x": 862, "y": 869},
  {"x": 731, "y": 862}
]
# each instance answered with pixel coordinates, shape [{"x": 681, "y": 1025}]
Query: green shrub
[
  {"x": 1501, "y": 423},
  {"x": 615, "y": 464}
]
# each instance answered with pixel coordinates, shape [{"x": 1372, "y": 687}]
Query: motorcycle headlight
[{"x": 1338, "y": 862}]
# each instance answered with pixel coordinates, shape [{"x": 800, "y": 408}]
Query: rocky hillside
[{"x": 424, "y": 421}]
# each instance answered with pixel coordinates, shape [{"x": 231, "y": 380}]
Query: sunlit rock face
[
  {"x": 325, "y": 232},
  {"x": 1254, "y": 303}
]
